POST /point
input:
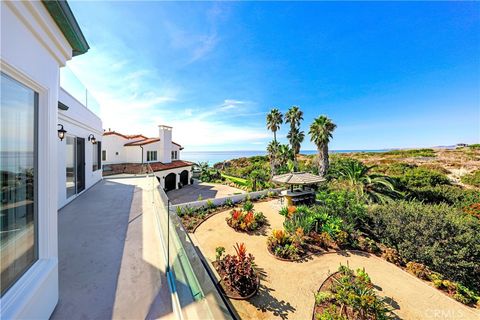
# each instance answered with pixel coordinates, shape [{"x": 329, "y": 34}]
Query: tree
[
  {"x": 294, "y": 116},
  {"x": 274, "y": 120},
  {"x": 374, "y": 187},
  {"x": 296, "y": 137},
  {"x": 273, "y": 153},
  {"x": 284, "y": 154},
  {"x": 320, "y": 133},
  {"x": 257, "y": 176}
]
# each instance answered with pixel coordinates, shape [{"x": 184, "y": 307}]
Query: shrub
[
  {"x": 248, "y": 206},
  {"x": 452, "y": 195},
  {"x": 179, "y": 211},
  {"x": 391, "y": 255},
  {"x": 472, "y": 179},
  {"x": 229, "y": 202},
  {"x": 345, "y": 205},
  {"x": 210, "y": 204},
  {"x": 419, "y": 270},
  {"x": 353, "y": 293},
  {"x": 245, "y": 220},
  {"x": 284, "y": 211},
  {"x": 200, "y": 198},
  {"x": 238, "y": 270},
  {"x": 438, "y": 236},
  {"x": 283, "y": 245},
  {"x": 219, "y": 251}
]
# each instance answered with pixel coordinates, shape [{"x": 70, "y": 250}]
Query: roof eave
[{"x": 65, "y": 20}]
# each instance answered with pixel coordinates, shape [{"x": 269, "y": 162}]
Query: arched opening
[
  {"x": 184, "y": 177},
  {"x": 170, "y": 180}
]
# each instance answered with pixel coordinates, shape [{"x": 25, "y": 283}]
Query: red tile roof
[
  {"x": 132, "y": 136},
  {"x": 159, "y": 166},
  {"x": 142, "y": 142},
  {"x": 145, "y": 140}
]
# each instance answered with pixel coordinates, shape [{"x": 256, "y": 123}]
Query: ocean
[{"x": 212, "y": 157}]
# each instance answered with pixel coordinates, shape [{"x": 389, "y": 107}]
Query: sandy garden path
[{"x": 287, "y": 288}]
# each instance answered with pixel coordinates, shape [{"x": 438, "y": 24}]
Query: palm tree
[
  {"x": 374, "y": 187},
  {"x": 257, "y": 176},
  {"x": 274, "y": 120},
  {"x": 293, "y": 116},
  {"x": 284, "y": 154},
  {"x": 295, "y": 136},
  {"x": 273, "y": 151},
  {"x": 320, "y": 133}
]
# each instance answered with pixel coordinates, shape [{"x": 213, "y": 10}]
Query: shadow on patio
[{"x": 111, "y": 263}]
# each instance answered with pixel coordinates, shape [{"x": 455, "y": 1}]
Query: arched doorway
[
  {"x": 184, "y": 177},
  {"x": 170, "y": 180}
]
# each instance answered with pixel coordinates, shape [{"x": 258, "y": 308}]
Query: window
[
  {"x": 96, "y": 152},
  {"x": 70, "y": 165},
  {"x": 104, "y": 155},
  {"x": 174, "y": 155},
  {"x": 151, "y": 155},
  {"x": 18, "y": 162}
]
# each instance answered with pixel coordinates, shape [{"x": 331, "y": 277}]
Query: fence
[
  {"x": 220, "y": 201},
  {"x": 194, "y": 295}
]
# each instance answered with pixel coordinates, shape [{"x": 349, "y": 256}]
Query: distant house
[
  {"x": 462, "y": 145},
  {"x": 124, "y": 153}
]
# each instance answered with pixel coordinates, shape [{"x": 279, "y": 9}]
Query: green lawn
[{"x": 239, "y": 181}]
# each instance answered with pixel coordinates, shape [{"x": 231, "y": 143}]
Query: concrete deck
[
  {"x": 110, "y": 261},
  {"x": 191, "y": 192}
]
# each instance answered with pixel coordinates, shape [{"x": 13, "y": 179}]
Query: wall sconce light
[
  {"x": 61, "y": 132},
  {"x": 92, "y": 139}
]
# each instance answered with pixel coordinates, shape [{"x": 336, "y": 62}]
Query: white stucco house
[
  {"x": 124, "y": 153},
  {"x": 49, "y": 150}
]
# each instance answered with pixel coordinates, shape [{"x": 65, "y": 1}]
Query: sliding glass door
[
  {"x": 18, "y": 180},
  {"x": 70, "y": 162},
  {"x": 75, "y": 165}
]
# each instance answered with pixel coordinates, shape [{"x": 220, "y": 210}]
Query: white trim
[
  {"x": 39, "y": 22},
  {"x": 73, "y": 121},
  {"x": 18, "y": 299}
]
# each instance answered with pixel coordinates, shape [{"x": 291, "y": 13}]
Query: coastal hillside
[{"x": 461, "y": 166}]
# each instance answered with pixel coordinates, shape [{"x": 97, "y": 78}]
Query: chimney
[{"x": 165, "y": 135}]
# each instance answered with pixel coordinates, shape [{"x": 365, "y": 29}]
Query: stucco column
[{"x": 177, "y": 180}]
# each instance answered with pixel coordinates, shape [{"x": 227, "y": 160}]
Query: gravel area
[{"x": 287, "y": 288}]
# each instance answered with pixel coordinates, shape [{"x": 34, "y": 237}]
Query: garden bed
[{"x": 349, "y": 294}]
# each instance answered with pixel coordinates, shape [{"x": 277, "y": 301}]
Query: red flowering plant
[
  {"x": 238, "y": 271},
  {"x": 245, "y": 219}
]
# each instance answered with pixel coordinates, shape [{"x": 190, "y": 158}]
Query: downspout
[{"x": 142, "y": 153}]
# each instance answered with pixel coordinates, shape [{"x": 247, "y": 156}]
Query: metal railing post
[{"x": 168, "y": 235}]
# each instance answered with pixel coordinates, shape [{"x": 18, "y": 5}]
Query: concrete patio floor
[
  {"x": 110, "y": 261},
  {"x": 207, "y": 190}
]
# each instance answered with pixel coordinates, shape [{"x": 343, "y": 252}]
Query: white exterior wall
[
  {"x": 176, "y": 148},
  {"x": 165, "y": 135},
  {"x": 32, "y": 50},
  {"x": 79, "y": 122},
  {"x": 113, "y": 144},
  {"x": 162, "y": 174}
]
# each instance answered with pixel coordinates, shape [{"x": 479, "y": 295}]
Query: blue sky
[{"x": 404, "y": 74}]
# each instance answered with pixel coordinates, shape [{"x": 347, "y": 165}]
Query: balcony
[
  {"x": 122, "y": 256},
  {"x": 71, "y": 84}
]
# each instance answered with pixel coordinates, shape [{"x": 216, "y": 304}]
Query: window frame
[{"x": 38, "y": 96}]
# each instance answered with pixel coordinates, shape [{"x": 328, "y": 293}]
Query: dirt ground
[
  {"x": 287, "y": 288},
  {"x": 206, "y": 190}
]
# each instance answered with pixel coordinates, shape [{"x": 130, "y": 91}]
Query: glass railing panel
[
  {"x": 196, "y": 292},
  {"x": 70, "y": 82}
]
